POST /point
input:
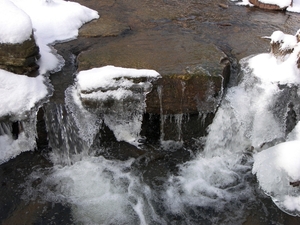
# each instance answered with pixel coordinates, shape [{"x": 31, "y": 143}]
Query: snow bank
[
  {"x": 273, "y": 68},
  {"x": 20, "y": 93},
  {"x": 275, "y": 168},
  {"x": 281, "y": 3},
  {"x": 15, "y": 24},
  {"x": 279, "y": 166},
  {"x": 54, "y": 20}
]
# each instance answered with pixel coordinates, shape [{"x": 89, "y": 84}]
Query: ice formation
[{"x": 115, "y": 86}]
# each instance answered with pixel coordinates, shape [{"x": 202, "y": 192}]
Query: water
[
  {"x": 168, "y": 183},
  {"x": 215, "y": 187}
]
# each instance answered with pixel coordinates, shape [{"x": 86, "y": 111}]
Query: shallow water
[{"x": 156, "y": 187}]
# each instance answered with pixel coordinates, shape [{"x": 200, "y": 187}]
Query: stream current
[{"x": 78, "y": 182}]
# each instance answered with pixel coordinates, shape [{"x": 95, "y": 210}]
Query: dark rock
[{"x": 19, "y": 58}]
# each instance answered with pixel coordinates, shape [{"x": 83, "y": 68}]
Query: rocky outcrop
[
  {"x": 261, "y": 5},
  {"x": 186, "y": 94},
  {"x": 192, "y": 77},
  {"x": 20, "y": 58}
]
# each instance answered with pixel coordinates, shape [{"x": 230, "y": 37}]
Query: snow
[
  {"x": 15, "y": 24},
  {"x": 105, "y": 77},
  {"x": 270, "y": 68},
  {"x": 52, "y": 21},
  {"x": 20, "y": 93},
  {"x": 279, "y": 165},
  {"x": 281, "y": 3},
  {"x": 275, "y": 168}
]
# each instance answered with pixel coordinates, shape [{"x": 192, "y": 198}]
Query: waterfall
[{"x": 215, "y": 187}]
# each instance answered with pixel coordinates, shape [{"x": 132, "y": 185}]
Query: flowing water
[{"x": 81, "y": 181}]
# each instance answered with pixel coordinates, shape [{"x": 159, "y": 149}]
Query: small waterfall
[
  {"x": 215, "y": 187},
  {"x": 171, "y": 122}
]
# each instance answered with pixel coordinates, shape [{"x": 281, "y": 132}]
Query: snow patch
[{"x": 15, "y": 24}]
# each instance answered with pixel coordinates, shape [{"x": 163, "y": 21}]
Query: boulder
[
  {"x": 20, "y": 58},
  {"x": 192, "y": 78},
  {"x": 267, "y": 6}
]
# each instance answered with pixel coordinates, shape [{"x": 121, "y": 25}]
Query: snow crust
[
  {"x": 20, "y": 93},
  {"x": 15, "y": 24},
  {"x": 281, "y": 3}
]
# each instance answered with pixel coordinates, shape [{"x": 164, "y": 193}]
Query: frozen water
[
  {"x": 120, "y": 101},
  {"x": 276, "y": 169},
  {"x": 10, "y": 146}
]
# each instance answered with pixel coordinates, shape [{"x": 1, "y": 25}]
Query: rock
[
  {"x": 192, "y": 77},
  {"x": 267, "y": 6},
  {"x": 19, "y": 58},
  {"x": 187, "y": 94},
  {"x": 103, "y": 27}
]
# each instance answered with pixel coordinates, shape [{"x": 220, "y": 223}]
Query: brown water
[{"x": 235, "y": 30}]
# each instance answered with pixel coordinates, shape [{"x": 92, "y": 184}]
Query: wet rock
[
  {"x": 192, "y": 77},
  {"x": 19, "y": 58},
  {"x": 267, "y": 6},
  {"x": 103, "y": 27},
  {"x": 187, "y": 93}
]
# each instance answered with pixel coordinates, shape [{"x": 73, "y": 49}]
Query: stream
[{"x": 80, "y": 174}]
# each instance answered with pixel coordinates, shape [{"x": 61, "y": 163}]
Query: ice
[
  {"x": 276, "y": 168},
  {"x": 15, "y": 24},
  {"x": 120, "y": 101},
  {"x": 10, "y": 146}
]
